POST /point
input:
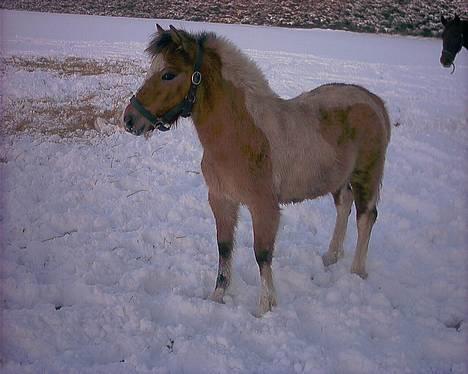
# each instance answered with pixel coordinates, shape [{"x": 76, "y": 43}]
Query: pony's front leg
[
  {"x": 265, "y": 218},
  {"x": 225, "y": 213}
]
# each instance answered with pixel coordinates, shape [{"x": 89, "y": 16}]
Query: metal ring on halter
[
  {"x": 453, "y": 68},
  {"x": 196, "y": 78}
]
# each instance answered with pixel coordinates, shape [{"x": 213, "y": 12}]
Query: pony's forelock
[
  {"x": 161, "y": 42},
  {"x": 158, "y": 43}
]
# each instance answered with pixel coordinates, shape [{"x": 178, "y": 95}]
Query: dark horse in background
[{"x": 454, "y": 37}]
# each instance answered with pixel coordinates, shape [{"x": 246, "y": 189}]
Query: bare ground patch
[
  {"x": 49, "y": 117},
  {"x": 72, "y": 65},
  {"x": 71, "y": 116}
]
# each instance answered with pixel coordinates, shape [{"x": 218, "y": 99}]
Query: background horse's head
[
  {"x": 452, "y": 40},
  {"x": 169, "y": 89}
]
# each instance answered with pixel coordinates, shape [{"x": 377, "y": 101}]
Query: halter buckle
[{"x": 162, "y": 126}]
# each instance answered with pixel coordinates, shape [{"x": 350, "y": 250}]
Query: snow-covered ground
[{"x": 108, "y": 243}]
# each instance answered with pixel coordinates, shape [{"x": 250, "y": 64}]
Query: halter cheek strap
[{"x": 183, "y": 109}]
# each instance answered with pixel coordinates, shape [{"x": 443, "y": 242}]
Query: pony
[
  {"x": 260, "y": 150},
  {"x": 454, "y": 37}
]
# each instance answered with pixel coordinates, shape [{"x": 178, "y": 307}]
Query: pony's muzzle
[
  {"x": 446, "y": 59},
  {"x": 130, "y": 126},
  {"x": 132, "y": 122}
]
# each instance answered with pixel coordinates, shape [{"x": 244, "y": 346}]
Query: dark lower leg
[
  {"x": 224, "y": 266},
  {"x": 225, "y": 213}
]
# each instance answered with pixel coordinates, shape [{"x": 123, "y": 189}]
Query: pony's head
[
  {"x": 170, "y": 88},
  {"x": 452, "y": 40}
]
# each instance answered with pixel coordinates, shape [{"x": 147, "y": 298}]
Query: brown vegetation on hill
[{"x": 409, "y": 17}]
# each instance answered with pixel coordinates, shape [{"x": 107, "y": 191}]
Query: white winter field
[{"x": 108, "y": 249}]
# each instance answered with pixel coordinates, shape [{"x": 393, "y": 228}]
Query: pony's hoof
[
  {"x": 330, "y": 258},
  {"x": 266, "y": 304},
  {"x": 217, "y": 296},
  {"x": 361, "y": 272}
]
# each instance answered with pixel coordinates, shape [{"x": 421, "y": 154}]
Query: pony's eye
[{"x": 168, "y": 76}]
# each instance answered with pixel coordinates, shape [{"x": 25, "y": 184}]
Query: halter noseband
[{"x": 183, "y": 109}]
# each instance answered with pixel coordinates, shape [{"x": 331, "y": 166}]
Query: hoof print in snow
[
  {"x": 170, "y": 346},
  {"x": 454, "y": 323}
]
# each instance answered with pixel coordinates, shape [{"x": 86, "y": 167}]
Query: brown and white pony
[{"x": 260, "y": 150}]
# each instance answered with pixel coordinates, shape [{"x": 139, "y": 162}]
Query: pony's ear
[
  {"x": 175, "y": 34},
  {"x": 159, "y": 29},
  {"x": 443, "y": 20},
  {"x": 178, "y": 38}
]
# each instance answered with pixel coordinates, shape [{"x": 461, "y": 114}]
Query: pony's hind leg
[
  {"x": 365, "y": 184},
  {"x": 365, "y": 222},
  {"x": 343, "y": 202},
  {"x": 225, "y": 213},
  {"x": 265, "y": 219}
]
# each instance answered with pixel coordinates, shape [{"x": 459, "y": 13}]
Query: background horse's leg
[
  {"x": 265, "y": 219},
  {"x": 343, "y": 202},
  {"x": 225, "y": 213}
]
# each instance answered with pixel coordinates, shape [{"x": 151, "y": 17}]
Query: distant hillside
[{"x": 408, "y": 17}]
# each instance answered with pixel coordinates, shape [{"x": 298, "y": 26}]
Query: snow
[{"x": 108, "y": 243}]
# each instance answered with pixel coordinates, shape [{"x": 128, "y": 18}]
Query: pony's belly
[
  {"x": 294, "y": 192},
  {"x": 307, "y": 184}
]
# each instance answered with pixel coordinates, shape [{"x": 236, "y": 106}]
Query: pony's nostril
[{"x": 128, "y": 123}]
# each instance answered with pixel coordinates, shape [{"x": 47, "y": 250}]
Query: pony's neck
[
  {"x": 230, "y": 80},
  {"x": 220, "y": 114}
]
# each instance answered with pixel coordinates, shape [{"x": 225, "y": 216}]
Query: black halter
[{"x": 183, "y": 109}]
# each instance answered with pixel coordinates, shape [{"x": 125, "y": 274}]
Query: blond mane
[{"x": 238, "y": 68}]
